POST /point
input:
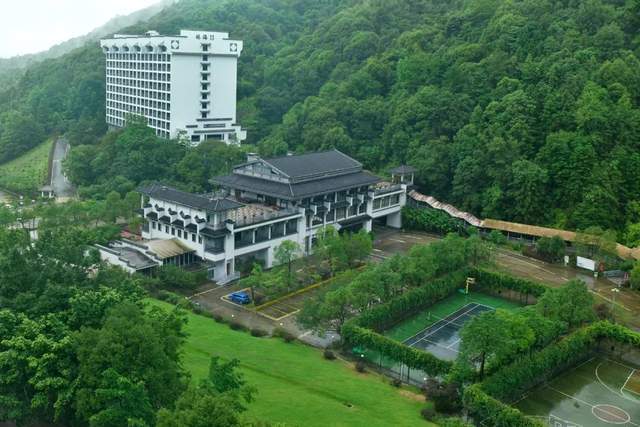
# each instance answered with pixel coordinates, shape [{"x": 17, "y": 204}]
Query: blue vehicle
[{"x": 240, "y": 297}]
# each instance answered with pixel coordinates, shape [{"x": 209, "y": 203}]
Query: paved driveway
[{"x": 61, "y": 185}]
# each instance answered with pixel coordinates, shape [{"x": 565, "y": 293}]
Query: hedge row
[
  {"x": 358, "y": 336},
  {"x": 492, "y": 412},
  {"x": 361, "y": 331},
  {"x": 482, "y": 399},
  {"x": 384, "y": 316},
  {"x": 494, "y": 282}
]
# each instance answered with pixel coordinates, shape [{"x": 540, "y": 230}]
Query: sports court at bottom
[
  {"x": 599, "y": 392},
  {"x": 437, "y": 329}
]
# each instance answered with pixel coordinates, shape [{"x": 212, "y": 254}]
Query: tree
[
  {"x": 254, "y": 280},
  {"x": 551, "y": 248},
  {"x": 330, "y": 248},
  {"x": 200, "y": 407},
  {"x": 493, "y": 336},
  {"x": 215, "y": 402},
  {"x": 634, "y": 277},
  {"x": 285, "y": 254},
  {"x": 571, "y": 304},
  {"x": 357, "y": 247},
  {"x": 150, "y": 357}
]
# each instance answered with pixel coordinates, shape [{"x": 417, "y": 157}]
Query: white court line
[
  {"x": 377, "y": 250},
  {"x": 446, "y": 324},
  {"x": 439, "y": 320},
  {"x": 439, "y": 345},
  {"x": 628, "y": 378},
  {"x": 591, "y": 406},
  {"x": 454, "y": 343},
  {"x": 602, "y": 383}
]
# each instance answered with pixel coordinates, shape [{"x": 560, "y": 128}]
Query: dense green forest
[{"x": 520, "y": 110}]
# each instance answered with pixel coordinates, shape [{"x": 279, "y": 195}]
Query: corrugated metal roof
[
  {"x": 530, "y": 230},
  {"x": 450, "y": 209},
  {"x": 169, "y": 248}
]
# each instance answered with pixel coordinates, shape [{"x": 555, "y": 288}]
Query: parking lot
[{"x": 389, "y": 241}]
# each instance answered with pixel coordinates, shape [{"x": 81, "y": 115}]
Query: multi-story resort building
[
  {"x": 184, "y": 85},
  {"x": 260, "y": 204}
]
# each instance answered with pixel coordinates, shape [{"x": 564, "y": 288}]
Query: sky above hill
[{"x": 30, "y": 26}]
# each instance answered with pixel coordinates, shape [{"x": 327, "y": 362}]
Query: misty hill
[
  {"x": 524, "y": 110},
  {"x": 11, "y": 68}
]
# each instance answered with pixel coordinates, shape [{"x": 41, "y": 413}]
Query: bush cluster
[
  {"x": 329, "y": 355},
  {"x": 284, "y": 334},
  {"x": 430, "y": 220}
]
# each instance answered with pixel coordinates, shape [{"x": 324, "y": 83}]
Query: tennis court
[
  {"x": 599, "y": 392},
  {"x": 442, "y": 338},
  {"x": 437, "y": 330}
]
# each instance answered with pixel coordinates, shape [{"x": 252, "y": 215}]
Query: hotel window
[
  {"x": 153, "y": 225},
  {"x": 166, "y": 229},
  {"x": 193, "y": 237},
  {"x": 341, "y": 212},
  {"x": 179, "y": 233},
  {"x": 173, "y": 231},
  {"x": 199, "y": 239}
]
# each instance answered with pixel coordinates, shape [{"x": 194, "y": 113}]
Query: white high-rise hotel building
[{"x": 184, "y": 85}]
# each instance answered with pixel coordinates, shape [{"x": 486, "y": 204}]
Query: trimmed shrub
[
  {"x": 329, "y": 355},
  {"x": 445, "y": 396},
  {"x": 361, "y": 366},
  {"x": 237, "y": 326},
  {"x": 256, "y": 332},
  {"x": 170, "y": 297},
  {"x": 428, "y": 413},
  {"x": 218, "y": 317},
  {"x": 396, "y": 382},
  {"x": 284, "y": 334}
]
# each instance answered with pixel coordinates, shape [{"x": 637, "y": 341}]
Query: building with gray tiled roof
[{"x": 263, "y": 202}]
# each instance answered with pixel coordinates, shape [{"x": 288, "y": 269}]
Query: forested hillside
[{"x": 522, "y": 110}]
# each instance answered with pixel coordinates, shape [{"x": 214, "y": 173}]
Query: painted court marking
[
  {"x": 603, "y": 384},
  {"x": 449, "y": 347},
  {"x": 602, "y": 409}
]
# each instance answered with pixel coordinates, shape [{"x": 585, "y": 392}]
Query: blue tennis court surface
[{"x": 442, "y": 338}]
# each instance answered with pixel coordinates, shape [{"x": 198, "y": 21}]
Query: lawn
[
  {"x": 295, "y": 384},
  {"x": 27, "y": 172}
]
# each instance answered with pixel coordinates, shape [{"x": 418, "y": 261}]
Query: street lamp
[{"x": 615, "y": 292}]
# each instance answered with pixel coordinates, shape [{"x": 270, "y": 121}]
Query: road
[{"x": 61, "y": 185}]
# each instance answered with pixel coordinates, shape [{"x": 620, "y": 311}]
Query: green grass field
[
  {"x": 28, "y": 172},
  {"x": 442, "y": 309},
  {"x": 296, "y": 385}
]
